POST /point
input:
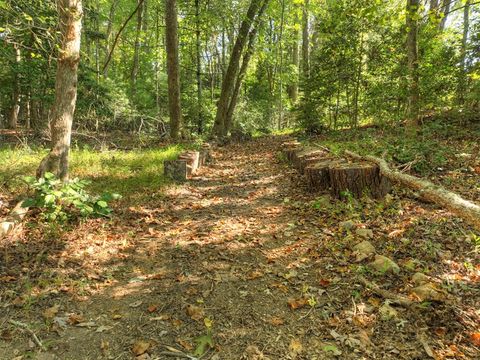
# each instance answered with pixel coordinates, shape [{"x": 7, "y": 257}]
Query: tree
[
  {"x": 70, "y": 14},
  {"x": 462, "y": 81},
  {"x": 173, "y": 68},
  {"x": 228, "y": 84},
  {"x": 412, "y": 55}
]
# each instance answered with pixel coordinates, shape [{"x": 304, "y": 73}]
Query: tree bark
[
  {"x": 15, "y": 109},
  {"x": 293, "y": 87},
  {"x": 445, "y": 10},
  {"x": 243, "y": 69},
  {"x": 70, "y": 24},
  {"x": 413, "y": 77},
  {"x": 428, "y": 191},
  {"x": 306, "y": 45},
  {"x": 111, "y": 17},
  {"x": 199, "y": 67},
  {"x": 228, "y": 84},
  {"x": 173, "y": 68},
  {"x": 462, "y": 80},
  {"x": 136, "y": 51}
]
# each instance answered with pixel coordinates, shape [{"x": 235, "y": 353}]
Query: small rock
[
  {"x": 347, "y": 225},
  {"x": 387, "y": 312},
  {"x": 420, "y": 279},
  {"x": 363, "y": 250},
  {"x": 365, "y": 233},
  {"x": 383, "y": 264},
  {"x": 428, "y": 292}
]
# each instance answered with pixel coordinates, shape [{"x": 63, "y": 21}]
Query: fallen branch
[
  {"x": 467, "y": 210},
  {"x": 30, "y": 331},
  {"x": 394, "y": 298}
]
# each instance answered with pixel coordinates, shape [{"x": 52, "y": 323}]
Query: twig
[
  {"x": 178, "y": 354},
  {"x": 30, "y": 331},
  {"x": 395, "y": 298}
]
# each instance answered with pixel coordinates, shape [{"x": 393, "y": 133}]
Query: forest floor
[{"x": 244, "y": 262}]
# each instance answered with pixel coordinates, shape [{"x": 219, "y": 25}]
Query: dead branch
[
  {"x": 30, "y": 331},
  {"x": 465, "y": 209},
  {"x": 394, "y": 298}
]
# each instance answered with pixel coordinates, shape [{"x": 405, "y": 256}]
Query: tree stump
[
  {"x": 318, "y": 175},
  {"x": 304, "y": 158},
  {"x": 175, "y": 169},
  {"x": 193, "y": 161},
  {"x": 357, "y": 179},
  {"x": 290, "y": 148}
]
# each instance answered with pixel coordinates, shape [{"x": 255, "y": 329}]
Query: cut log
[
  {"x": 357, "y": 179},
  {"x": 318, "y": 177},
  {"x": 175, "y": 169},
  {"x": 300, "y": 158},
  {"x": 465, "y": 209},
  {"x": 13, "y": 220}
]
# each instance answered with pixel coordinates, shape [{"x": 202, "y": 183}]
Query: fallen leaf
[
  {"x": 7, "y": 278},
  {"x": 254, "y": 275},
  {"x": 297, "y": 303},
  {"x": 195, "y": 312},
  {"x": 475, "y": 337},
  {"x": 102, "y": 329},
  {"x": 152, "y": 308},
  {"x": 141, "y": 347},
  {"x": 50, "y": 313},
  {"x": 324, "y": 282},
  {"x": 295, "y": 347},
  {"x": 276, "y": 321},
  {"x": 74, "y": 319},
  {"x": 136, "y": 304},
  {"x": 185, "y": 344}
]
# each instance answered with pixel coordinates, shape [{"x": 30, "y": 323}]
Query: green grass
[{"x": 132, "y": 174}]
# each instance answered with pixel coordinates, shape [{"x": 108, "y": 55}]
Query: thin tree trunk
[
  {"x": 293, "y": 88},
  {"x": 199, "y": 67},
  {"x": 228, "y": 84},
  {"x": 280, "y": 41},
  {"x": 15, "y": 110},
  {"x": 445, "y": 10},
  {"x": 70, "y": 24},
  {"x": 136, "y": 51},
  {"x": 111, "y": 17},
  {"x": 413, "y": 76},
  {"x": 462, "y": 81},
  {"x": 243, "y": 69},
  {"x": 173, "y": 68},
  {"x": 305, "y": 47}
]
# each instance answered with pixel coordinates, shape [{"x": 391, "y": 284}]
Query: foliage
[{"x": 59, "y": 201}]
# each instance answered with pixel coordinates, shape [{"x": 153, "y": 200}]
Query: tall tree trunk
[
  {"x": 293, "y": 88},
  {"x": 199, "y": 67},
  {"x": 228, "y": 84},
  {"x": 445, "y": 9},
  {"x": 136, "y": 51},
  {"x": 111, "y": 17},
  {"x": 462, "y": 80},
  {"x": 15, "y": 109},
  {"x": 412, "y": 52},
  {"x": 305, "y": 46},
  {"x": 280, "y": 92},
  {"x": 173, "y": 68},
  {"x": 243, "y": 69},
  {"x": 70, "y": 24}
]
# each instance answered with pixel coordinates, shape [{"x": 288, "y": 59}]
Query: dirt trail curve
[{"x": 244, "y": 245}]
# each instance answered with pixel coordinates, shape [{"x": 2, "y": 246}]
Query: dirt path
[{"x": 243, "y": 245}]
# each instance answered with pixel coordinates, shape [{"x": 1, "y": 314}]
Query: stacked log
[
  {"x": 324, "y": 171},
  {"x": 186, "y": 164}
]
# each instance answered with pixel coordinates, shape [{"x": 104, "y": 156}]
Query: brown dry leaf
[
  {"x": 475, "y": 338},
  {"x": 177, "y": 323},
  {"x": 7, "y": 278},
  {"x": 254, "y": 275},
  {"x": 195, "y": 312},
  {"x": 185, "y": 344},
  {"x": 295, "y": 347},
  {"x": 295, "y": 304},
  {"x": 6, "y": 335},
  {"x": 324, "y": 282},
  {"x": 51, "y": 312},
  {"x": 280, "y": 287},
  {"x": 104, "y": 346},
  {"x": 74, "y": 319},
  {"x": 141, "y": 347},
  {"x": 276, "y": 321},
  {"x": 116, "y": 316},
  {"x": 152, "y": 308}
]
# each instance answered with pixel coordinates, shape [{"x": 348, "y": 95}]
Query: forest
[{"x": 248, "y": 179}]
